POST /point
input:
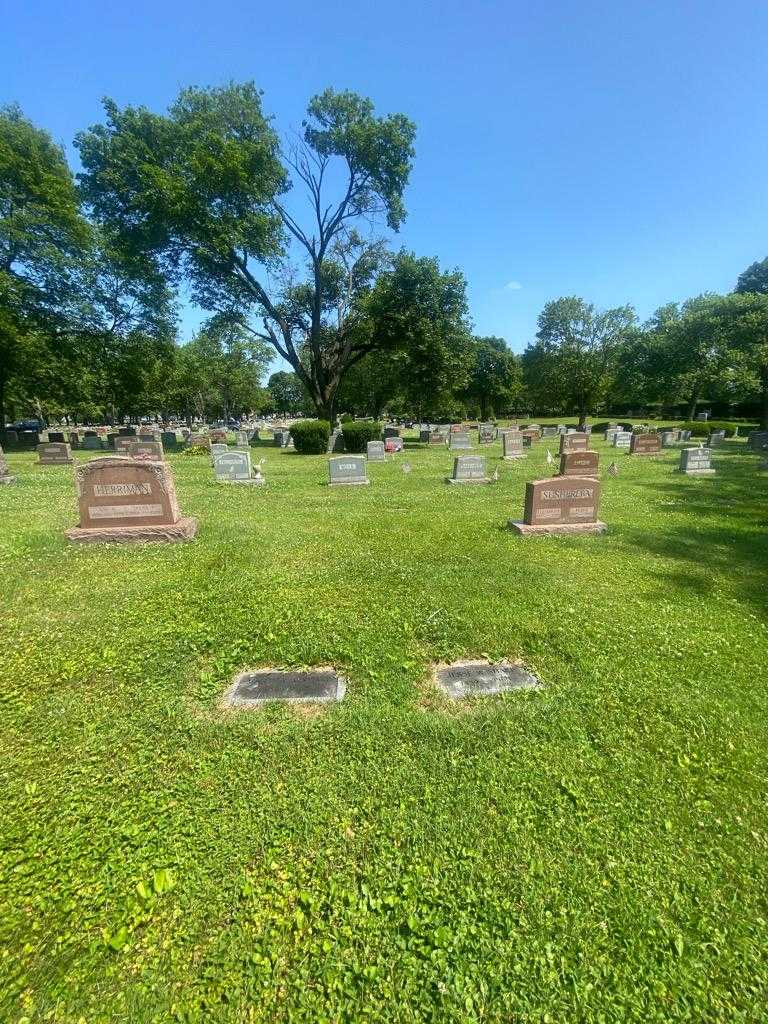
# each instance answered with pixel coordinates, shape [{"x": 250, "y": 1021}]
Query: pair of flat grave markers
[
  {"x": 123, "y": 500},
  {"x": 324, "y": 685}
]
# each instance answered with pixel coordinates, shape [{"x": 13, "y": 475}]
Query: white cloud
[{"x": 512, "y": 286}]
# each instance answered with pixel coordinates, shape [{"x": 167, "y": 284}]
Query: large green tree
[
  {"x": 754, "y": 279},
  {"x": 287, "y": 391},
  {"x": 41, "y": 235},
  {"x": 496, "y": 377},
  {"x": 574, "y": 358},
  {"x": 204, "y": 191}
]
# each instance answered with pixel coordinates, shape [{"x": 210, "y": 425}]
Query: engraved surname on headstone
[
  {"x": 512, "y": 444},
  {"x": 486, "y": 433},
  {"x": 234, "y": 467},
  {"x": 375, "y": 451},
  {"x": 579, "y": 463},
  {"x": 469, "y": 469},
  {"x": 622, "y": 439},
  {"x": 561, "y": 505},
  {"x": 645, "y": 444},
  {"x": 574, "y": 442},
  {"x": 347, "y": 469},
  {"x": 126, "y": 499},
  {"x": 309, "y": 686},
  {"x": 483, "y": 679},
  {"x": 696, "y": 460}
]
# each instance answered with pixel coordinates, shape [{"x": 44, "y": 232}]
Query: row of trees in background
[{"x": 278, "y": 243}]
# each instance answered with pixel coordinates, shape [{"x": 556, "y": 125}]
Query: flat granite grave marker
[
  {"x": 645, "y": 444},
  {"x": 234, "y": 467},
  {"x": 483, "y": 678},
  {"x": 469, "y": 469},
  {"x": 579, "y": 464},
  {"x": 123, "y": 499},
  {"x": 574, "y": 442},
  {"x": 512, "y": 445},
  {"x": 375, "y": 451},
  {"x": 560, "y": 505},
  {"x": 459, "y": 440},
  {"x": 152, "y": 450},
  {"x": 5, "y": 473},
  {"x": 312, "y": 686},
  {"x": 54, "y": 454},
  {"x": 696, "y": 462},
  {"x": 347, "y": 470}
]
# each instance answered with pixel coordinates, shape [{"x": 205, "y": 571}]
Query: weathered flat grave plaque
[
  {"x": 313, "y": 686},
  {"x": 512, "y": 444},
  {"x": 574, "y": 442},
  {"x": 347, "y": 470},
  {"x": 234, "y": 467},
  {"x": 146, "y": 450},
  {"x": 469, "y": 469},
  {"x": 622, "y": 439},
  {"x": 483, "y": 679},
  {"x": 696, "y": 461},
  {"x": 579, "y": 464},
  {"x": 394, "y": 444},
  {"x": 645, "y": 444},
  {"x": 375, "y": 451},
  {"x": 123, "y": 499},
  {"x": 54, "y": 453},
  {"x": 459, "y": 439},
  {"x": 560, "y": 505}
]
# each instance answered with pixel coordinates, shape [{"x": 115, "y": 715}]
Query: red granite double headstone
[
  {"x": 560, "y": 505},
  {"x": 645, "y": 444}
]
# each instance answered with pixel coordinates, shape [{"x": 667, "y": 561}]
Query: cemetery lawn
[{"x": 596, "y": 851}]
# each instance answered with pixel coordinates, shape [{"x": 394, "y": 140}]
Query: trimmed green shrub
[
  {"x": 359, "y": 433},
  {"x": 703, "y": 428},
  {"x": 347, "y": 418},
  {"x": 310, "y": 437}
]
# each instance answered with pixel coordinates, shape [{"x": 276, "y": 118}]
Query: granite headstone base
[
  {"x": 184, "y": 529},
  {"x": 524, "y": 530}
]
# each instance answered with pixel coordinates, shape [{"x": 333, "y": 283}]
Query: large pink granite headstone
[{"x": 123, "y": 499}]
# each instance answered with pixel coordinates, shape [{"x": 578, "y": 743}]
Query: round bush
[
  {"x": 310, "y": 437},
  {"x": 358, "y": 433}
]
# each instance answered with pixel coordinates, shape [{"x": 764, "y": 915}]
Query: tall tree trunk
[
  {"x": 692, "y": 403},
  {"x": 2, "y": 407}
]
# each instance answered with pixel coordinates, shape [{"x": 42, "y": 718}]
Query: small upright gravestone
[
  {"x": 375, "y": 451},
  {"x": 436, "y": 437},
  {"x": 169, "y": 441},
  {"x": 234, "y": 467},
  {"x": 5, "y": 473},
  {"x": 391, "y": 432},
  {"x": 667, "y": 439},
  {"x": 347, "y": 470},
  {"x": 512, "y": 445},
  {"x": 716, "y": 437},
  {"x": 56, "y": 436},
  {"x": 486, "y": 433},
  {"x": 579, "y": 464},
  {"x": 152, "y": 450},
  {"x": 696, "y": 462},
  {"x": 123, "y": 444},
  {"x": 393, "y": 444},
  {"x": 459, "y": 440},
  {"x": 575, "y": 442},
  {"x": 54, "y": 454},
  {"x": 199, "y": 441},
  {"x": 685, "y": 435},
  {"x": 567, "y": 505},
  {"x": 218, "y": 449},
  {"x": 469, "y": 469},
  {"x": 241, "y": 438},
  {"x": 92, "y": 442},
  {"x": 622, "y": 439},
  {"x": 336, "y": 442},
  {"x": 124, "y": 500},
  {"x": 548, "y": 431},
  {"x": 530, "y": 434},
  {"x": 645, "y": 444},
  {"x": 424, "y": 436}
]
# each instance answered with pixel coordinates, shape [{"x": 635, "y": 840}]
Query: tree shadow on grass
[{"x": 734, "y": 548}]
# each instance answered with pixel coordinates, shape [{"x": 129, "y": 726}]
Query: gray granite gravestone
[
  {"x": 375, "y": 451},
  {"x": 5, "y": 473},
  {"x": 234, "y": 467},
  {"x": 486, "y": 433},
  {"x": 667, "y": 439},
  {"x": 54, "y": 454},
  {"x": 459, "y": 440},
  {"x": 169, "y": 440},
  {"x": 622, "y": 439},
  {"x": 92, "y": 443},
  {"x": 469, "y": 469},
  {"x": 336, "y": 442},
  {"x": 252, "y": 689},
  {"x": 716, "y": 437},
  {"x": 391, "y": 432},
  {"x": 483, "y": 679},
  {"x": 685, "y": 435},
  {"x": 346, "y": 470},
  {"x": 696, "y": 462},
  {"x": 218, "y": 449},
  {"x": 512, "y": 445}
]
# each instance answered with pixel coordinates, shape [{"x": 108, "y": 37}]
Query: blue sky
[{"x": 617, "y": 151}]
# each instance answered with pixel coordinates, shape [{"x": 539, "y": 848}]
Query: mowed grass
[{"x": 595, "y": 851}]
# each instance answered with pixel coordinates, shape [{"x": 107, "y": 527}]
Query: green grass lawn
[{"x": 594, "y": 851}]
